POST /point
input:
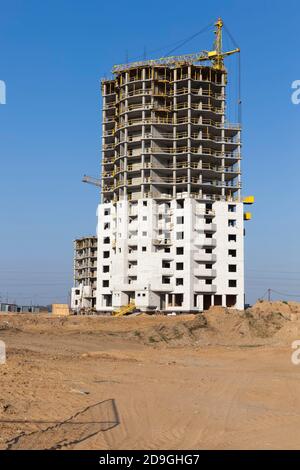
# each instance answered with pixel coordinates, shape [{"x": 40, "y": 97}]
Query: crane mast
[{"x": 218, "y": 62}]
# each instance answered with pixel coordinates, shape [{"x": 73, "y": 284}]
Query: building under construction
[
  {"x": 83, "y": 294},
  {"x": 170, "y": 221}
]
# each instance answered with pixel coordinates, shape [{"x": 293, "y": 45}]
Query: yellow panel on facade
[
  {"x": 248, "y": 200},
  {"x": 247, "y": 216}
]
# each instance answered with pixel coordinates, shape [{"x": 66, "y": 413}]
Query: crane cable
[
  {"x": 203, "y": 30},
  {"x": 239, "y": 86},
  {"x": 177, "y": 44},
  {"x": 185, "y": 41}
]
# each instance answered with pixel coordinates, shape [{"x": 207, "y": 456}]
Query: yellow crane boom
[
  {"x": 91, "y": 180},
  {"x": 216, "y": 56}
]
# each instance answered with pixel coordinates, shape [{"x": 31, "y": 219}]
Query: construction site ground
[{"x": 221, "y": 380}]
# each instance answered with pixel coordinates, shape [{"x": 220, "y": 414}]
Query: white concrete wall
[
  {"x": 222, "y": 247},
  {"x": 81, "y": 297},
  {"x": 148, "y": 269}
]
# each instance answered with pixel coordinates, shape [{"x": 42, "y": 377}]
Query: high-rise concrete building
[
  {"x": 170, "y": 221},
  {"x": 83, "y": 294}
]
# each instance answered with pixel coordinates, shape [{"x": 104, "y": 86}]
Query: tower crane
[
  {"x": 216, "y": 56},
  {"x": 91, "y": 180}
]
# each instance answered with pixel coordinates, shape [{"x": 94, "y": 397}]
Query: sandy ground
[{"x": 219, "y": 381}]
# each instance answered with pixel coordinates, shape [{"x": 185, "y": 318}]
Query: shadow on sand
[{"x": 83, "y": 425}]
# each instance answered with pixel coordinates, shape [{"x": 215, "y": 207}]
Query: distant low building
[
  {"x": 14, "y": 308},
  {"x": 6, "y": 307},
  {"x": 32, "y": 309}
]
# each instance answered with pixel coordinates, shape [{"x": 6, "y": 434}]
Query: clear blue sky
[{"x": 53, "y": 54}]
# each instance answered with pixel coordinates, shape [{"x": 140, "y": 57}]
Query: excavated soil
[{"x": 219, "y": 380}]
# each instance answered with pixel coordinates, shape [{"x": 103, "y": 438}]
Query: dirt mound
[
  {"x": 179, "y": 333},
  {"x": 289, "y": 310},
  {"x": 219, "y": 325},
  {"x": 277, "y": 320},
  {"x": 216, "y": 326},
  {"x": 228, "y": 326},
  {"x": 266, "y": 326},
  {"x": 7, "y": 326}
]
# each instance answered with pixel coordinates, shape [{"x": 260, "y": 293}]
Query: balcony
[
  {"x": 135, "y": 107},
  {"x": 231, "y": 125},
  {"x": 109, "y": 133},
  {"x": 134, "y": 138},
  {"x": 200, "y": 286},
  {"x": 132, "y": 256},
  {"x": 133, "y": 240},
  {"x": 205, "y": 242},
  {"x": 198, "y": 107},
  {"x": 108, "y": 160},
  {"x": 165, "y": 226},
  {"x": 198, "y": 92},
  {"x": 108, "y": 189},
  {"x": 162, "y": 242},
  {"x": 210, "y": 227},
  {"x": 140, "y": 121},
  {"x": 202, "y": 272},
  {"x": 205, "y": 228},
  {"x": 132, "y": 270},
  {"x": 108, "y": 174},
  {"x": 205, "y": 257},
  {"x": 219, "y": 184},
  {"x": 86, "y": 265},
  {"x": 87, "y": 274},
  {"x": 133, "y": 226},
  {"x": 109, "y": 119},
  {"x": 133, "y": 211},
  {"x": 109, "y": 105},
  {"x": 167, "y": 271},
  {"x": 208, "y": 213},
  {"x": 136, "y": 92}
]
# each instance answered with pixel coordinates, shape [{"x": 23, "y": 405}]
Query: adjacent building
[{"x": 83, "y": 294}]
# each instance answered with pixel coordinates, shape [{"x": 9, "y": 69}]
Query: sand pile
[
  {"x": 289, "y": 310},
  {"x": 182, "y": 333},
  {"x": 278, "y": 320},
  {"x": 257, "y": 325},
  {"x": 263, "y": 320},
  {"x": 217, "y": 326},
  {"x": 263, "y": 323}
]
